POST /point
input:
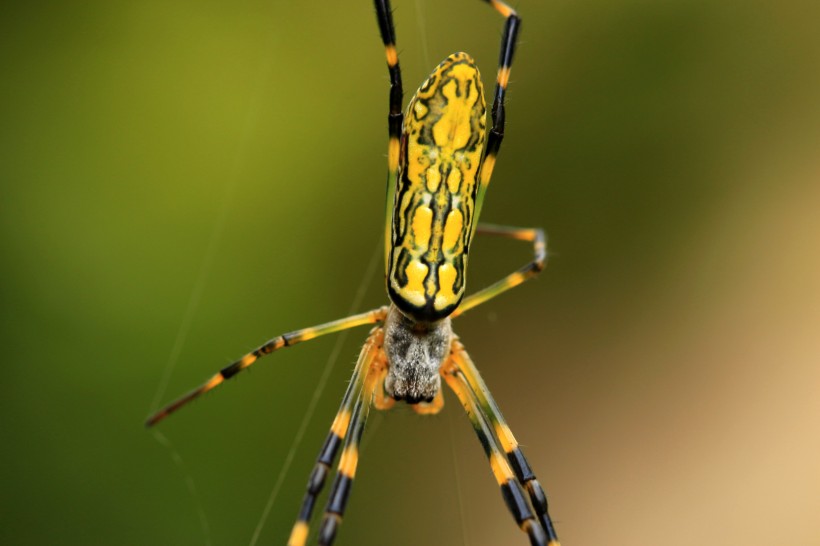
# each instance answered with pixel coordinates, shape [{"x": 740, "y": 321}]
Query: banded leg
[
  {"x": 496, "y": 134},
  {"x": 489, "y": 408},
  {"x": 342, "y": 483},
  {"x": 536, "y": 237},
  {"x": 510, "y": 487},
  {"x": 338, "y": 432},
  {"x": 384, "y": 15},
  {"x": 285, "y": 340}
]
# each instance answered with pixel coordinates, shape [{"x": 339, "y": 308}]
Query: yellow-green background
[{"x": 663, "y": 374}]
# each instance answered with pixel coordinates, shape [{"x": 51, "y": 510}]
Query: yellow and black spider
[{"x": 440, "y": 160}]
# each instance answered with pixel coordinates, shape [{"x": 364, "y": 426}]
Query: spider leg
[
  {"x": 338, "y": 433},
  {"x": 346, "y": 472},
  {"x": 496, "y": 134},
  {"x": 511, "y": 489},
  {"x": 382, "y": 400},
  {"x": 384, "y": 15},
  {"x": 285, "y": 340},
  {"x": 489, "y": 409},
  {"x": 536, "y": 237}
]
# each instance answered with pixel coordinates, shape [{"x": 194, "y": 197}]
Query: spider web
[{"x": 420, "y": 20}]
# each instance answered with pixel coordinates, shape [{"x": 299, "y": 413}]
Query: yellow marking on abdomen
[
  {"x": 453, "y": 129},
  {"x": 422, "y": 224},
  {"x": 453, "y": 228},
  {"x": 454, "y": 180},
  {"x": 433, "y": 179},
  {"x": 446, "y": 280},
  {"x": 416, "y": 273},
  {"x": 420, "y": 109}
]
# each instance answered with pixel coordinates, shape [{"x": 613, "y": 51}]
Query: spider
[{"x": 440, "y": 160}]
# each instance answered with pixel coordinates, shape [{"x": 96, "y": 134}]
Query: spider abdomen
[{"x": 434, "y": 208}]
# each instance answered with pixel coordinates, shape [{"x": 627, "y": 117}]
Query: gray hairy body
[{"x": 415, "y": 352}]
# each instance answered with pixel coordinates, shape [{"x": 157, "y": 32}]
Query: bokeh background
[{"x": 183, "y": 180}]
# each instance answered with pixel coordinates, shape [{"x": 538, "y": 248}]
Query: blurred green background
[{"x": 183, "y": 180}]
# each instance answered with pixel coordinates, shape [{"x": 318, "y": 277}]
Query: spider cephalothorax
[{"x": 415, "y": 352}]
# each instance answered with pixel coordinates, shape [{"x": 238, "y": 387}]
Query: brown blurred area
[{"x": 191, "y": 178}]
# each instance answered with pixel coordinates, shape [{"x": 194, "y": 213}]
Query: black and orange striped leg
[
  {"x": 539, "y": 243},
  {"x": 337, "y": 434},
  {"x": 495, "y": 135},
  {"x": 384, "y": 15},
  {"x": 343, "y": 482},
  {"x": 464, "y": 364},
  {"x": 508, "y": 41},
  {"x": 511, "y": 489},
  {"x": 285, "y": 340}
]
